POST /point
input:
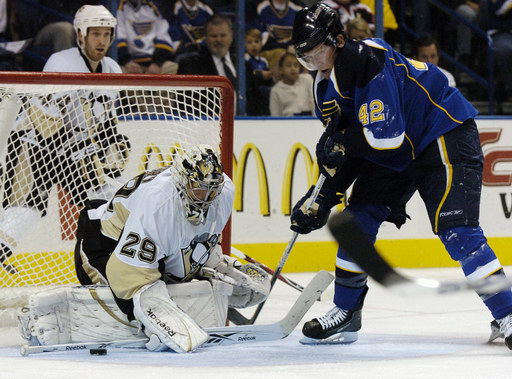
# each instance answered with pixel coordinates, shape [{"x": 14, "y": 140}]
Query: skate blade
[
  {"x": 495, "y": 332},
  {"x": 338, "y": 338}
]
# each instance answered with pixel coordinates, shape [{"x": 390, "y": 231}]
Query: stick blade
[
  {"x": 351, "y": 238},
  {"x": 305, "y": 301}
]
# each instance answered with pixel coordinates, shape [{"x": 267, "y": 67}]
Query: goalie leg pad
[
  {"x": 46, "y": 315},
  {"x": 206, "y": 302},
  {"x": 161, "y": 317},
  {"x": 74, "y": 314}
]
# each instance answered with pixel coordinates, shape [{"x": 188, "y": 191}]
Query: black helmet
[{"x": 315, "y": 25}]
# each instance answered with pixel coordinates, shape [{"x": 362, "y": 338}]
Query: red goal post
[{"x": 113, "y": 126}]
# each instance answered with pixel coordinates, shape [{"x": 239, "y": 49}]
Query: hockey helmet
[
  {"x": 319, "y": 24},
  {"x": 199, "y": 178},
  {"x": 93, "y": 16}
]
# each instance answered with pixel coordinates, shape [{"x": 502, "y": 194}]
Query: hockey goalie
[{"x": 156, "y": 245}]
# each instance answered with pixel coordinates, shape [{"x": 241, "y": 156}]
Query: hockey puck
[{"x": 98, "y": 351}]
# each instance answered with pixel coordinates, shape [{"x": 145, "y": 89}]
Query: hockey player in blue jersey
[{"x": 393, "y": 126}]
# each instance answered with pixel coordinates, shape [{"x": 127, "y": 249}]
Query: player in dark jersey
[{"x": 393, "y": 126}]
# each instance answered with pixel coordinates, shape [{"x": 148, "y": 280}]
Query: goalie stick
[
  {"x": 286, "y": 253},
  {"x": 225, "y": 335},
  {"x": 350, "y": 236}
]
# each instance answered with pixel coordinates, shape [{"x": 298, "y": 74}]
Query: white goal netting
[{"x": 61, "y": 144}]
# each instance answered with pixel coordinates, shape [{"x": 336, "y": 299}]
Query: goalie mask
[{"x": 199, "y": 179}]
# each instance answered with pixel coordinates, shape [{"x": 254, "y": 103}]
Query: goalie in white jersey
[{"x": 163, "y": 227}]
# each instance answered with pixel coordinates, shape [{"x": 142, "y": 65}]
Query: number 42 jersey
[{"x": 392, "y": 107}]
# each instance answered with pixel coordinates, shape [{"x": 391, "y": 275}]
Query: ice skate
[
  {"x": 502, "y": 328},
  {"x": 338, "y": 326}
]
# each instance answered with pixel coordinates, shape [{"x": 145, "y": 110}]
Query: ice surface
[{"x": 402, "y": 337}]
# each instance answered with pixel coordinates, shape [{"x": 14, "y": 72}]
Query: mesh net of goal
[{"x": 83, "y": 138}]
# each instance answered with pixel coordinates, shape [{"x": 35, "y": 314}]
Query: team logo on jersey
[{"x": 197, "y": 253}]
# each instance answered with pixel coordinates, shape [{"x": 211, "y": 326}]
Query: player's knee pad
[
  {"x": 462, "y": 240},
  {"x": 370, "y": 217}
]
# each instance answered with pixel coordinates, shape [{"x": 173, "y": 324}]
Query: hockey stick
[
  {"x": 284, "y": 279},
  {"x": 233, "y": 314},
  {"x": 350, "y": 236},
  {"x": 284, "y": 257},
  {"x": 226, "y": 335}
]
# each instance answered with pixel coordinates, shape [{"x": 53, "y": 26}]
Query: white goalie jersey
[{"x": 148, "y": 219}]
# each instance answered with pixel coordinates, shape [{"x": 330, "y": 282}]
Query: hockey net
[{"x": 66, "y": 138}]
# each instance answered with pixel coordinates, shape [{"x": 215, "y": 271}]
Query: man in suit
[{"x": 215, "y": 59}]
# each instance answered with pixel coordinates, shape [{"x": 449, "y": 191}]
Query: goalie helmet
[
  {"x": 89, "y": 16},
  {"x": 318, "y": 24},
  {"x": 200, "y": 179}
]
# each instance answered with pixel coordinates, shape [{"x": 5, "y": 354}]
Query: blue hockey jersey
[{"x": 392, "y": 107}]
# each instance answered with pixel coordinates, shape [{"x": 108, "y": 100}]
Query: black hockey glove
[
  {"x": 330, "y": 153},
  {"x": 306, "y": 220}
]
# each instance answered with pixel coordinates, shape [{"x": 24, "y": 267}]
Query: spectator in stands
[
  {"x": 275, "y": 19},
  {"x": 497, "y": 16},
  {"x": 292, "y": 95},
  {"x": 389, "y": 17},
  {"x": 48, "y": 23},
  {"x": 262, "y": 75},
  {"x": 358, "y": 29},
  {"x": 144, "y": 44},
  {"x": 3, "y": 18},
  {"x": 468, "y": 10},
  {"x": 215, "y": 58},
  {"x": 426, "y": 49},
  {"x": 350, "y": 9},
  {"x": 187, "y": 25},
  {"x": 7, "y": 52}
]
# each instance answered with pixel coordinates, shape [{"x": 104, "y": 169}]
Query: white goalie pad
[
  {"x": 164, "y": 322},
  {"x": 90, "y": 313}
]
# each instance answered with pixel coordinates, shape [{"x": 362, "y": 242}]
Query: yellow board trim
[{"x": 305, "y": 256}]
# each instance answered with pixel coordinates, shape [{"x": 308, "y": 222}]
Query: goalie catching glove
[
  {"x": 251, "y": 285},
  {"x": 306, "y": 220}
]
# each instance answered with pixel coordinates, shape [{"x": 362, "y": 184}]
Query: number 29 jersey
[{"x": 155, "y": 240}]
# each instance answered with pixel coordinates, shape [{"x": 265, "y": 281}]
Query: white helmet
[
  {"x": 199, "y": 178},
  {"x": 93, "y": 16}
]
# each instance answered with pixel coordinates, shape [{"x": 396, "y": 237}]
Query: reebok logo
[
  {"x": 248, "y": 338},
  {"x": 451, "y": 213},
  {"x": 78, "y": 347},
  {"x": 166, "y": 328}
]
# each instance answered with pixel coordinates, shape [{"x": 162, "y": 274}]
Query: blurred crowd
[{"x": 196, "y": 37}]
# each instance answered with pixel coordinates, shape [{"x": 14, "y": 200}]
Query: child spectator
[
  {"x": 358, "y": 29},
  {"x": 292, "y": 95},
  {"x": 259, "y": 64},
  {"x": 262, "y": 76}
]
